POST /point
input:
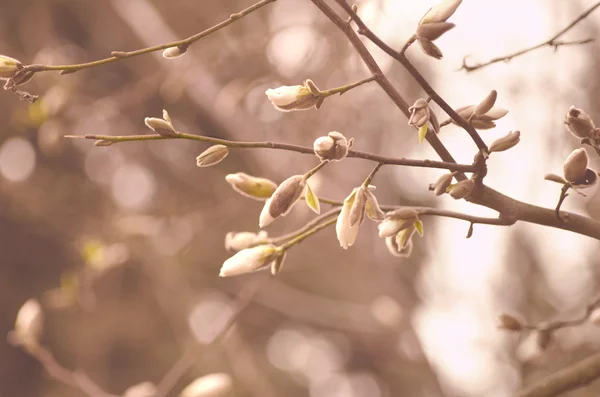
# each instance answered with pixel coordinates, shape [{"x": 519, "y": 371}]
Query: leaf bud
[
  {"x": 333, "y": 147},
  {"x": 283, "y": 199},
  {"x": 440, "y": 12},
  {"x": 249, "y": 260},
  {"x": 579, "y": 123},
  {"x": 175, "y": 52},
  {"x": 440, "y": 186},
  {"x": 419, "y": 113},
  {"x": 430, "y": 49},
  {"x": 211, "y": 156},
  {"x": 346, "y": 231},
  {"x": 9, "y": 67},
  {"x": 506, "y": 142},
  {"x": 575, "y": 165},
  {"x": 461, "y": 189},
  {"x": 296, "y": 97},
  {"x": 432, "y": 31},
  {"x": 160, "y": 126},
  {"x": 251, "y": 186}
]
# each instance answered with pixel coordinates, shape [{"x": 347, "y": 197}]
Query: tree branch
[{"x": 552, "y": 42}]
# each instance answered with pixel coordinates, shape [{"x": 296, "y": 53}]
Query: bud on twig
[
  {"x": 211, "y": 156},
  {"x": 283, "y": 199},
  {"x": 397, "y": 220},
  {"x": 481, "y": 121},
  {"x": 579, "y": 123},
  {"x": 333, "y": 147},
  {"x": 433, "y": 25},
  {"x": 461, "y": 189},
  {"x": 160, "y": 126},
  {"x": 346, "y": 231},
  {"x": 419, "y": 113},
  {"x": 440, "y": 186},
  {"x": 175, "y": 52},
  {"x": 576, "y": 165},
  {"x": 249, "y": 260},
  {"x": 296, "y": 97},
  {"x": 9, "y": 67},
  {"x": 506, "y": 142},
  {"x": 28, "y": 325},
  {"x": 251, "y": 186}
]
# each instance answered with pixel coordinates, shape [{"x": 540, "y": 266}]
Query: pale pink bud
[
  {"x": 462, "y": 189},
  {"x": 576, "y": 165},
  {"x": 506, "y": 142},
  {"x": 251, "y": 186},
  {"x": 160, "y": 126},
  {"x": 333, "y": 147},
  {"x": 249, "y": 260},
  {"x": 174, "y": 52},
  {"x": 346, "y": 231},
  {"x": 283, "y": 199},
  {"x": 440, "y": 12},
  {"x": 289, "y": 98},
  {"x": 579, "y": 123},
  {"x": 211, "y": 156}
]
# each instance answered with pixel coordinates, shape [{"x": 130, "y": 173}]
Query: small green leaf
[
  {"x": 422, "y": 132},
  {"x": 312, "y": 200},
  {"x": 419, "y": 226}
]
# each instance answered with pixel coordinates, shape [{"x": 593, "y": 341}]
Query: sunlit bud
[
  {"x": 333, "y": 147},
  {"x": 29, "y": 323},
  {"x": 396, "y": 221},
  {"x": 394, "y": 249},
  {"x": 430, "y": 49},
  {"x": 249, "y": 260},
  {"x": 8, "y": 67},
  {"x": 251, "y": 186},
  {"x": 483, "y": 121},
  {"x": 144, "y": 389},
  {"x": 296, "y": 97},
  {"x": 346, "y": 232},
  {"x": 211, "y": 156},
  {"x": 579, "y": 123},
  {"x": 506, "y": 142},
  {"x": 461, "y": 189},
  {"x": 283, "y": 199},
  {"x": 160, "y": 126},
  {"x": 174, "y": 52},
  {"x": 440, "y": 12},
  {"x": 440, "y": 186},
  {"x": 277, "y": 264},
  {"x": 372, "y": 206},
  {"x": 432, "y": 31},
  {"x": 419, "y": 113},
  {"x": 576, "y": 165},
  {"x": 242, "y": 240},
  {"x": 213, "y": 385},
  {"x": 508, "y": 322},
  {"x": 103, "y": 142}
]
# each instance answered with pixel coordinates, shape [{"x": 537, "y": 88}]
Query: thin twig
[
  {"x": 281, "y": 146},
  {"x": 561, "y": 199},
  {"x": 552, "y": 42},
  {"x": 401, "y": 57}
]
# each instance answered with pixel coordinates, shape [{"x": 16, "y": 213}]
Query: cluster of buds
[
  {"x": 359, "y": 203},
  {"x": 433, "y": 25},
  {"x": 333, "y": 147},
  {"x": 482, "y": 115},
  {"x": 252, "y": 259},
  {"x": 398, "y": 228},
  {"x": 296, "y": 97},
  {"x": 251, "y": 186},
  {"x": 576, "y": 173},
  {"x": 163, "y": 127}
]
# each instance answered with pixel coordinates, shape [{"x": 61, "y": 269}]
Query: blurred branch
[
  {"x": 573, "y": 377},
  {"x": 552, "y": 42},
  {"x": 452, "y": 166}
]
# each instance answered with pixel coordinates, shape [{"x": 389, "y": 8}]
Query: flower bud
[
  {"x": 242, "y": 240},
  {"x": 296, "y": 97},
  {"x": 346, "y": 231},
  {"x": 251, "y": 186},
  {"x": 462, "y": 189},
  {"x": 175, "y": 52},
  {"x": 440, "y": 186},
  {"x": 432, "y": 31},
  {"x": 283, "y": 199},
  {"x": 160, "y": 126},
  {"x": 211, "y": 156},
  {"x": 430, "y": 49},
  {"x": 419, "y": 113},
  {"x": 576, "y": 165},
  {"x": 372, "y": 209},
  {"x": 8, "y": 67},
  {"x": 212, "y": 385},
  {"x": 483, "y": 121},
  {"x": 579, "y": 123},
  {"x": 440, "y": 12},
  {"x": 506, "y": 142},
  {"x": 29, "y": 323},
  {"x": 249, "y": 260},
  {"x": 396, "y": 221},
  {"x": 486, "y": 105},
  {"x": 394, "y": 249},
  {"x": 333, "y": 147},
  {"x": 508, "y": 322}
]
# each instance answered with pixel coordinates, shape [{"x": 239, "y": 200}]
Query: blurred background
[{"x": 122, "y": 245}]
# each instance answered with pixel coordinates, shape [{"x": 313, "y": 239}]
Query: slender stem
[
  {"x": 452, "y": 166},
  {"x": 401, "y": 57},
  {"x": 315, "y": 170},
  {"x": 308, "y": 226},
  {"x": 410, "y": 41},
  {"x": 367, "y": 181},
  {"x": 181, "y": 43},
  {"x": 552, "y": 42},
  {"x": 344, "y": 88},
  {"x": 303, "y": 236},
  {"x": 561, "y": 199}
]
